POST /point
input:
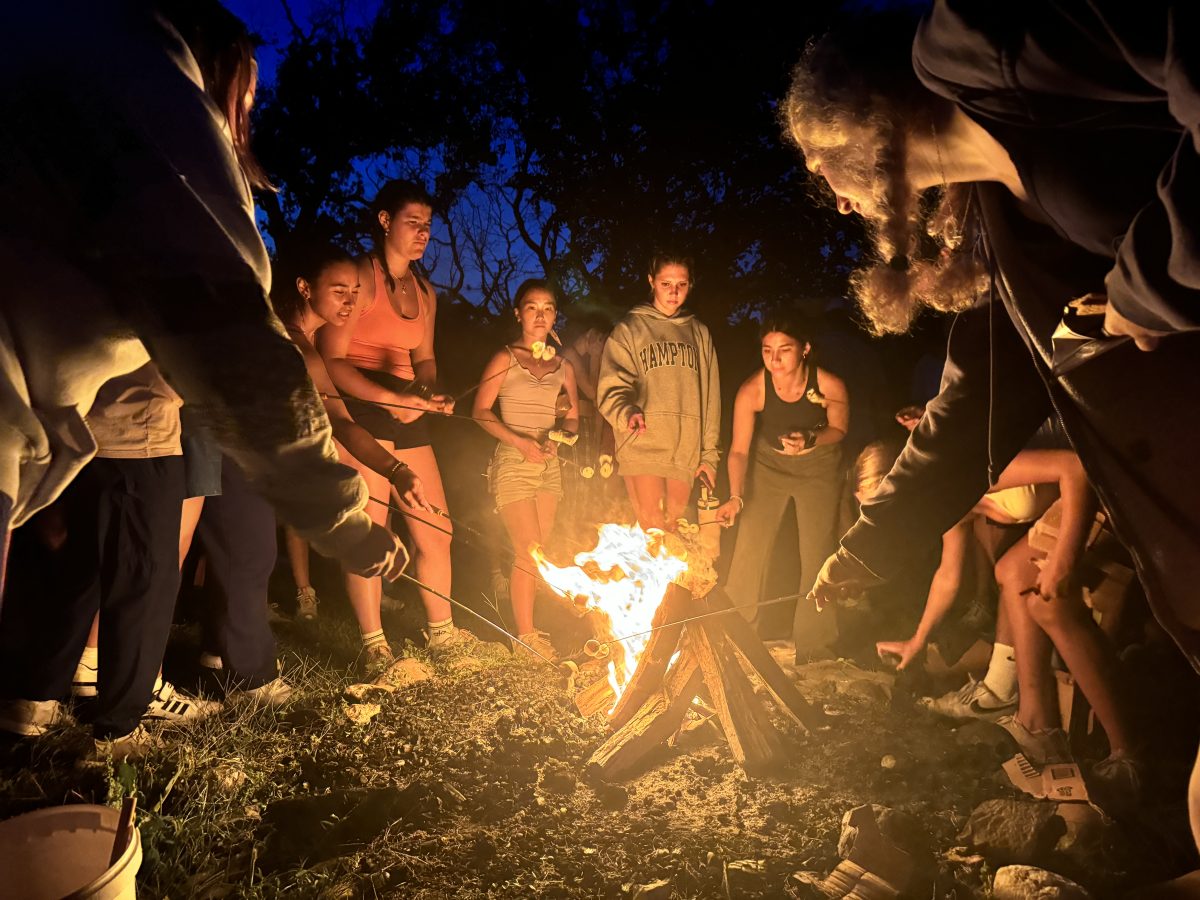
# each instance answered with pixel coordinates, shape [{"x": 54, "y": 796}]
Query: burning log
[
  {"x": 763, "y": 664},
  {"x": 677, "y": 648},
  {"x": 753, "y": 740},
  {"x": 648, "y": 676},
  {"x": 649, "y": 726}
]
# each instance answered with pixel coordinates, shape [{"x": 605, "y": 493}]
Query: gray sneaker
[
  {"x": 974, "y": 700},
  {"x": 1117, "y": 781},
  {"x": 1040, "y": 747},
  {"x": 33, "y": 718},
  {"x": 274, "y": 693},
  {"x": 306, "y": 605},
  {"x": 135, "y": 745}
]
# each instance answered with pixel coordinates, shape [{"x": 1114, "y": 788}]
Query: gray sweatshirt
[
  {"x": 128, "y": 234},
  {"x": 667, "y": 368}
]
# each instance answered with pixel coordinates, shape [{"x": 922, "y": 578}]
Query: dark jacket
[{"x": 1092, "y": 133}]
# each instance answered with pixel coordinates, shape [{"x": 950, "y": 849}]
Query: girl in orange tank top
[
  {"x": 384, "y": 338},
  {"x": 383, "y": 361}
]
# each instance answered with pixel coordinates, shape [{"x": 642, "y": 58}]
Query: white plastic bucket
[{"x": 63, "y": 852}]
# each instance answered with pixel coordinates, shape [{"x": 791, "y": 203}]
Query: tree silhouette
[{"x": 571, "y": 139}]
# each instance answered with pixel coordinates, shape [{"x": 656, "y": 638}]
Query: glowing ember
[{"x": 625, "y": 578}]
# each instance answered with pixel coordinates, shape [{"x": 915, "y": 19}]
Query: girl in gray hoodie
[{"x": 660, "y": 390}]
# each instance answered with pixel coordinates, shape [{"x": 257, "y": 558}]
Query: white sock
[
  {"x": 439, "y": 631},
  {"x": 90, "y": 657},
  {"x": 372, "y": 638},
  {"x": 1001, "y": 677}
]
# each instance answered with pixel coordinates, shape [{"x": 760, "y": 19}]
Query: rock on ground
[
  {"x": 1029, "y": 883},
  {"x": 1014, "y": 831}
]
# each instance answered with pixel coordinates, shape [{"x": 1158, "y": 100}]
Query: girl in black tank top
[
  {"x": 786, "y": 453},
  {"x": 779, "y": 417}
]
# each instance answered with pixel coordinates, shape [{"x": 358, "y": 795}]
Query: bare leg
[
  {"x": 521, "y": 519},
  {"x": 1090, "y": 659},
  {"x": 1037, "y": 707},
  {"x": 678, "y": 494},
  {"x": 297, "y": 551},
  {"x": 431, "y": 534},
  {"x": 189, "y": 517},
  {"x": 365, "y": 594},
  {"x": 648, "y": 493}
]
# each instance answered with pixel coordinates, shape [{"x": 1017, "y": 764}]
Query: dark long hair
[
  {"x": 393, "y": 197},
  {"x": 307, "y": 260},
  {"x": 224, "y": 52},
  {"x": 854, "y": 100},
  {"x": 787, "y": 323}
]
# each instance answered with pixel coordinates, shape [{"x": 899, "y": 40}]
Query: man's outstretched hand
[{"x": 842, "y": 576}]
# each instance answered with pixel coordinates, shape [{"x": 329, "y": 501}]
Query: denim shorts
[
  {"x": 511, "y": 477},
  {"x": 201, "y": 459}
]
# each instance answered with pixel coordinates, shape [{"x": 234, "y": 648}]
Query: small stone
[
  {"x": 655, "y": 890},
  {"x": 361, "y": 713},
  {"x": 403, "y": 672},
  {"x": 1029, "y": 883},
  {"x": 357, "y": 693},
  {"x": 888, "y": 761},
  {"x": 227, "y": 778}
]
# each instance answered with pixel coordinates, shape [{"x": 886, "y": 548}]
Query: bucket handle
[{"x": 124, "y": 830}]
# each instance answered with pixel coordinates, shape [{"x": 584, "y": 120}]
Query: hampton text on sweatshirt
[{"x": 667, "y": 368}]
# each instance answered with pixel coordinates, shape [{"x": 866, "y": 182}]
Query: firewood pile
[{"x": 692, "y": 652}]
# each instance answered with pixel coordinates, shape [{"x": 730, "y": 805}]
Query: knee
[
  {"x": 1011, "y": 571},
  {"x": 432, "y": 540},
  {"x": 1050, "y": 615}
]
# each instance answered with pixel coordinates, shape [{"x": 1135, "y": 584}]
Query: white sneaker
[
  {"x": 170, "y": 705},
  {"x": 974, "y": 700},
  {"x": 83, "y": 685},
  {"x": 134, "y": 745},
  {"x": 274, "y": 693},
  {"x": 33, "y": 718},
  {"x": 306, "y": 605}
]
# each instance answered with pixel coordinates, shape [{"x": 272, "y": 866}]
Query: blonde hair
[{"x": 854, "y": 99}]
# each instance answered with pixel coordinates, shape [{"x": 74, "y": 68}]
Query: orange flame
[{"x": 625, "y": 578}]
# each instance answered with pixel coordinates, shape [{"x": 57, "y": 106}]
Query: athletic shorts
[{"x": 380, "y": 422}]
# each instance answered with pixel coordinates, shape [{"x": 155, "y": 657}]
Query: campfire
[{"x": 674, "y": 639}]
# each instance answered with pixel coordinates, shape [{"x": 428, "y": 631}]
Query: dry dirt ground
[{"x": 475, "y": 783}]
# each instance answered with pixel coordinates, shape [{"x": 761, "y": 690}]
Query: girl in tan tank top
[{"x": 525, "y": 474}]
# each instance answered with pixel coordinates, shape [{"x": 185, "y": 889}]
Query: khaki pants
[{"x": 814, "y": 482}]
